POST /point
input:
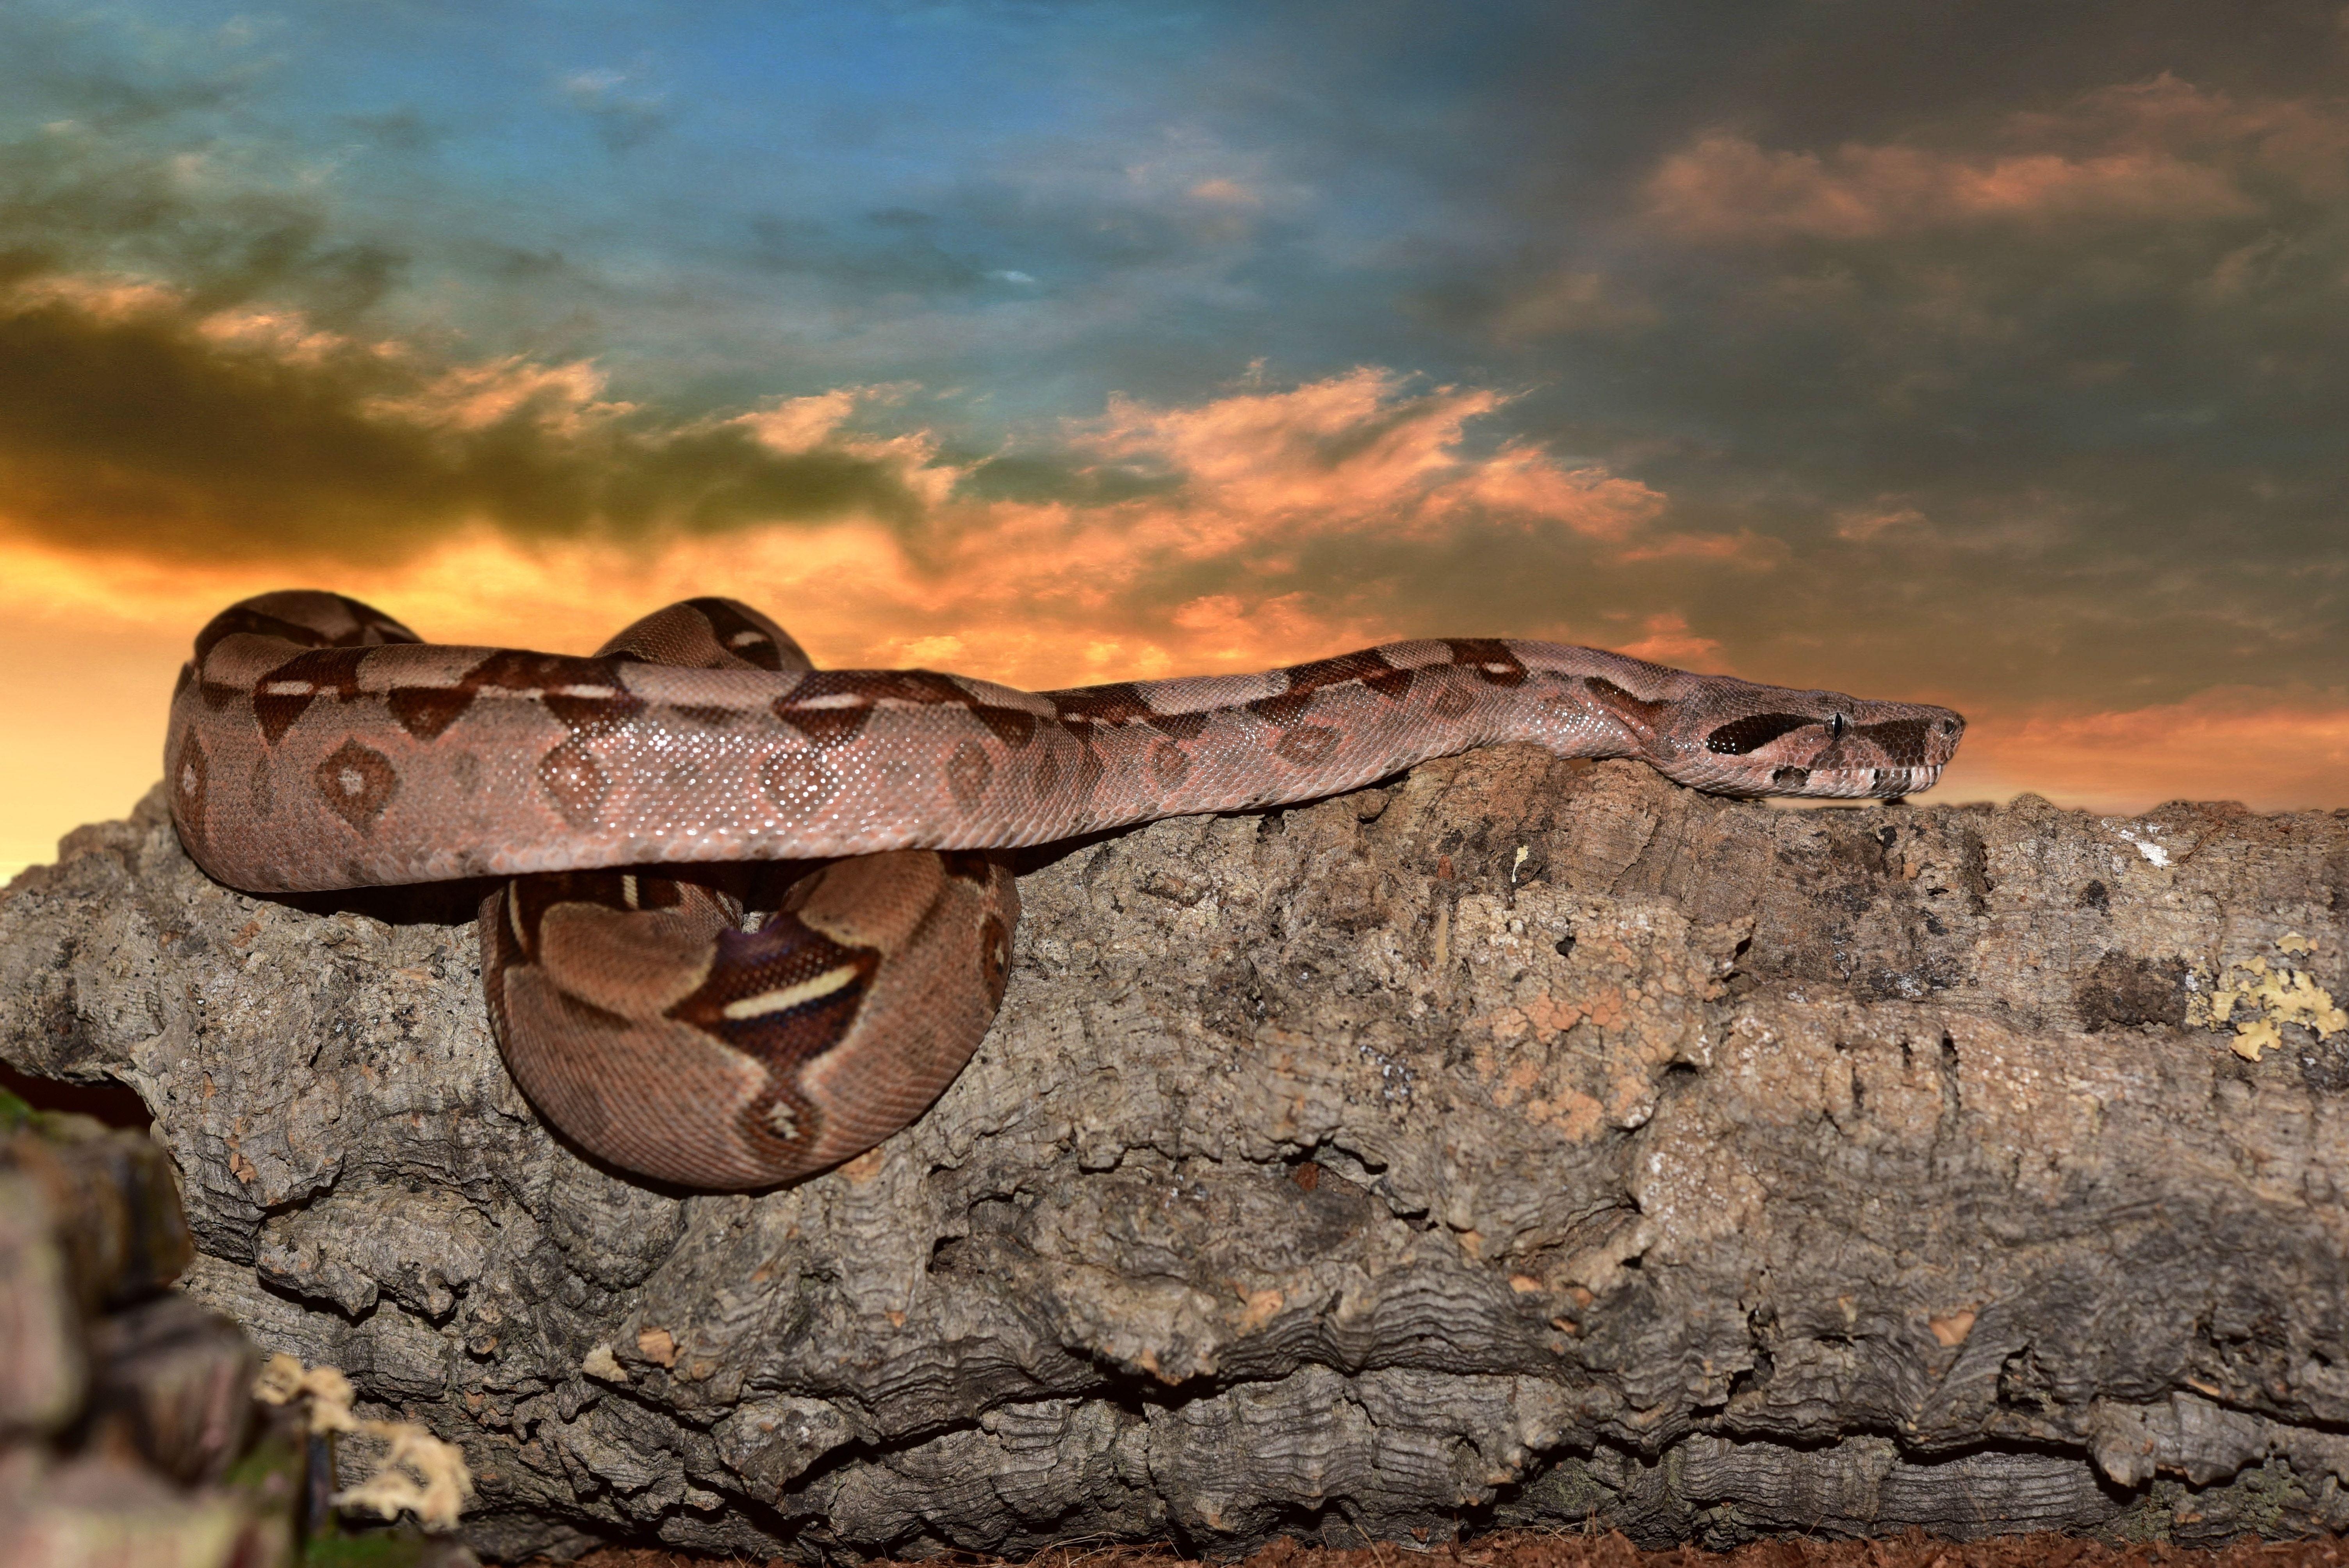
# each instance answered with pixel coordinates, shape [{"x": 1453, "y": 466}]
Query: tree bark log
[{"x": 1525, "y": 1142}]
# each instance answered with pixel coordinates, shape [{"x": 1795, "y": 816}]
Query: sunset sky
[{"x": 1993, "y": 355}]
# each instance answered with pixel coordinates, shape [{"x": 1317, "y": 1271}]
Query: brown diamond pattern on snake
[
  {"x": 783, "y": 994},
  {"x": 1453, "y": 699},
  {"x": 242, "y": 620},
  {"x": 1286, "y": 709},
  {"x": 995, "y": 959},
  {"x": 425, "y": 711},
  {"x": 968, "y": 773},
  {"x": 1367, "y": 667},
  {"x": 285, "y": 693},
  {"x": 368, "y": 626},
  {"x": 527, "y": 899},
  {"x": 522, "y": 903},
  {"x": 967, "y": 866},
  {"x": 826, "y": 727},
  {"x": 1181, "y": 726},
  {"x": 1088, "y": 775},
  {"x": 262, "y": 795},
  {"x": 1308, "y": 743},
  {"x": 1489, "y": 657},
  {"x": 743, "y": 638},
  {"x": 923, "y": 688},
  {"x": 1014, "y": 727},
  {"x": 781, "y": 1120},
  {"x": 797, "y": 782},
  {"x": 372, "y": 626},
  {"x": 501, "y": 922},
  {"x": 1169, "y": 764},
  {"x": 189, "y": 776},
  {"x": 585, "y": 695},
  {"x": 831, "y": 708},
  {"x": 1624, "y": 706},
  {"x": 357, "y": 783},
  {"x": 1120, "y": 704},
  {"x": 575, "y": 781}
]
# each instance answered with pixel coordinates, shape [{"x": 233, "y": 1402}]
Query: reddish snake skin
[{"x": 317, "y": 744}]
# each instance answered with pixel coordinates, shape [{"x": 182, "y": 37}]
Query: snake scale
[{"x": 317, "y": 743}]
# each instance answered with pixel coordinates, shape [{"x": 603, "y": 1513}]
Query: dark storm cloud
[
  {"x": 136, "y": 419},
  {"x": 2093, "y": 347},
  {"x": 74, "y": 197},
  {"x": 2021, "y": 327}
]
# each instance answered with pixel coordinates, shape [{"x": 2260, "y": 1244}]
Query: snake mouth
[
  {"x": 1888, "y": 783},
  {"x": 1857, "y": 783}
]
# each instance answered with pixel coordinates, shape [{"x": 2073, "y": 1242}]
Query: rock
[
  {"x": 118, "y": 1428},
  {"x": 46, "y": 1367},
  {"x": 1525, "y": 1142},
  {"x": 114, "y": 1423},
  {"x": 113, "y": 1201},
  {"x": 174, "y": 1384},
  {"x": 106, "y": 1508}
]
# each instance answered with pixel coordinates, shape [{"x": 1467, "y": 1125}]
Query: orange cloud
[
  {"x": 1727, "y": 188},
  {"x": 2160, "y": 151},
  {"x": 1669, "y": 641},
  {"x": 1275, "y": 525},
  {"x": 1859, "y": 525},
  {"x": 1354, "y": 453},
  {"x": 1746, "y": 548},
  {"x": 562, "y": 398}
]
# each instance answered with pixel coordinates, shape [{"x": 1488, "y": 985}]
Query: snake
[{"x": 668, "y": 1020}]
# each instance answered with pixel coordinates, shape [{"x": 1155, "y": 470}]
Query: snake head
[{"x": 1744, "y": 739}]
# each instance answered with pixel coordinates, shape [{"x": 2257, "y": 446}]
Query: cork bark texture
[{"x": 1526, "y": 1142}]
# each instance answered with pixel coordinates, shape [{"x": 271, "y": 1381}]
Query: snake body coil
[{"x": 317, "y": 743}]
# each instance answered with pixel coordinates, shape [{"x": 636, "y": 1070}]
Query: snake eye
[{"x": 1835, "y": 727}]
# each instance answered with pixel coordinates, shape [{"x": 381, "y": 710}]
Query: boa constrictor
[{"x": 317, "y": 743}]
